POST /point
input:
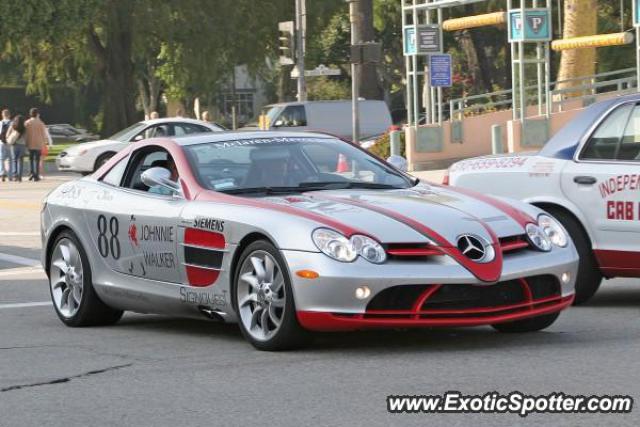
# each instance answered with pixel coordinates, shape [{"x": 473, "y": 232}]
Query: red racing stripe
[
  {"x": 487, "y": 272},
  {"x": 516, "y": 214}
]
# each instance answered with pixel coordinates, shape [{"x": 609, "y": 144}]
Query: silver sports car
[{"x": 288, "y": 233}]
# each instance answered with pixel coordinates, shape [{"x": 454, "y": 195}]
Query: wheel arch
[
  {"x": 242, "y": 245},
  {"x": 100, "y": 156},
  {"x": 547, "y": 205}
]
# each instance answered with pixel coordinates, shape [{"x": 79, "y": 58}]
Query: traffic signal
[{"x": 286, "y": 42}]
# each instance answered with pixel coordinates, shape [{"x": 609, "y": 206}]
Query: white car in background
[
  {"x": 588, "y": 177},
  {"x": 87, "y": 157}
]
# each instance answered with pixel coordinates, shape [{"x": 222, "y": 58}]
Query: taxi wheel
[
  {"x": 71, "y": 288},
  {"x": 527, "y": 325},
  {"x": 589, "y": 275},
  {"x": 263, "y": 300}
]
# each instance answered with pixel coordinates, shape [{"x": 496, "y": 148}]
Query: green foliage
[
  {"x": 323, "y": 88},
  {"x": 382, "y": 147}
]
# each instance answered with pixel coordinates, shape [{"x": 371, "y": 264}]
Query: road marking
[
  {"x": 25, "y": 304},
  {"x": 21, "y": 271},
  {"x": 19, "y": 233},
  {"x": 20, "y": 260},
  {"x": 16, "y": 204}
]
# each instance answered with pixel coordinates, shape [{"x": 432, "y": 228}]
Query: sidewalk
[{"x": 434, "y": 176}]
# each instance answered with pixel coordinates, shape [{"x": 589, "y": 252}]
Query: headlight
[
  {"x": 368, "y": 249},
  {"x": 338, "y": 247},
  {"x": 553, "y": 230},
  {"x": 538, "y": 237}
]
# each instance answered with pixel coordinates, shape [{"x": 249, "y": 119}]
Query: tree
[{"x": 580, "y": 19}]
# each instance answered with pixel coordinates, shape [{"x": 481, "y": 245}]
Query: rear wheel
[
  {"x": 527, "y": 325},
  {"x": 589, "y": 275},
  {"x": 72, "y": 293},
  {"x": 263, "y": 300}
]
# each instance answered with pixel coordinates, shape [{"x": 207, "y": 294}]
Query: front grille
[
  {"x": 456, "y": 297},
  {"x": 512, "y": 294}
]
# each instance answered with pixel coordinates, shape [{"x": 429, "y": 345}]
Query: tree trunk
[
  {"x": 580, "y": 19},
  {"x": 116, "y": 66},
  {"x": 370, "y": 87}
]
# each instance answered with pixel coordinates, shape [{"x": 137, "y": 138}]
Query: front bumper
[
  {"x": 433, "y": 292},
  {"x": 72, "y": 164}
]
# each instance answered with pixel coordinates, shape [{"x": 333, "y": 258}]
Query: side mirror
[
  {"x": 278, "y": 123},
  {"x": 398, "y": 162},
  {"x": 138, "y": 137},
  {"x": 161, "y": 177}
]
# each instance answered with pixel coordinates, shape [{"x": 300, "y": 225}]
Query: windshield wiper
[
  {"x": 272, "y": 190},
  {"x": 345, "y": 185}
]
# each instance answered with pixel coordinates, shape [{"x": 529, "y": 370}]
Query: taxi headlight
[
  {"x": 554, "y": 230},
  {"x": 538, "y": 238},
  {"x": 338, "y": 247}
]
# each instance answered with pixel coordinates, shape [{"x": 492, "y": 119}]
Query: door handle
[{"x": 585, "y": 180}]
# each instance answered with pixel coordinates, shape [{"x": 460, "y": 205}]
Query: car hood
[
  {"x": 414, "y": 215},
  {"x": 90, "y": 145}
]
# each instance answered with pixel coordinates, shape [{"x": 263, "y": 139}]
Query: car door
[
  {"x": 604, "y": 182},
  {"x": 135, "y": 230}
]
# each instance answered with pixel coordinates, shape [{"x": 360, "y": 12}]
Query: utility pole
[
  {"x": 355, "y": 84},
  {"x": 301, "y": 27}
]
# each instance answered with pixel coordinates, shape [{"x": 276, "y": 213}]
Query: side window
[
  {"x": 142, "y": 161},
  {"x": 189, "y": 128},
  {"x": 157, "y": 131},
  {"x": 604, "y": 143},
  {"x": 114, "y": 176},
  {"x": 293, "y": 116},
  {"x": 629, "y": 149}
]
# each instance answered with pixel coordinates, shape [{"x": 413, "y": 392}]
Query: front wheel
[
  {"x": 71, "y": 287},
  {"x": 263, "y": 300},
  {"x": 102, "y": 159},
  {"x": 532, "y": 324}
]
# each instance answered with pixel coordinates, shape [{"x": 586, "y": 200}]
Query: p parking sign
[{"x": 535, "y": 27}]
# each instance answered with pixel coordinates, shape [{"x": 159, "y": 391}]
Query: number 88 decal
[{"x": 104, "y": 242}]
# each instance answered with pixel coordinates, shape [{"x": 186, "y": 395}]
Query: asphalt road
[{"x": 156, "y": 371}]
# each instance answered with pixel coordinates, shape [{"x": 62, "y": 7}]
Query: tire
[
  {"x": 589, "y": 274},
  {"x": 70, "y": 272},
  {"x": 101, "y": 160},
  {"x": 527, "y": 325},
  {"x": 260, "y": 306}
]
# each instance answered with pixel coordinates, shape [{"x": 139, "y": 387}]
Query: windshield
[
  {"x": 289, "y": 164},
  {"x": 272, "y": 113},
  {"x": 124, "y": 134}
]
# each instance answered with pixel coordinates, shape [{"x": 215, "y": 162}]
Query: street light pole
[
  {"x": 301, "y": 27},
  {"x": 355, "y": 84}
]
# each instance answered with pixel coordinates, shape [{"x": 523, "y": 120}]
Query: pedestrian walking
[
  {"x": 16, "y": 138},
  {"x": 36, "y": 138},
  {"x": 5, "y": 155}
]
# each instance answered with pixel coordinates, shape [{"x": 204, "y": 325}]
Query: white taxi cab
[{"x": 588, "y": 177}]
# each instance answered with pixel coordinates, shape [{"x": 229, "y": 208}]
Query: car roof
[
  {"x": 564, "y": 143},
  {"x": 204, "y": 138},
  {"x": 175, "y": 120}
]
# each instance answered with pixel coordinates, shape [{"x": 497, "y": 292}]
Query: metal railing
[{"x": 618, "y": 81}]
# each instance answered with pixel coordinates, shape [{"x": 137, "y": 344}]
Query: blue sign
[
  {"x": 636, "y": 13},
  {"x": 440, "y": 70},
  {"x": 536, "y": 26},
  {"x": 410, "y": 41}
]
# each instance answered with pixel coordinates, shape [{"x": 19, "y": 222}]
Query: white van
[{"x": 333, "y": 117}]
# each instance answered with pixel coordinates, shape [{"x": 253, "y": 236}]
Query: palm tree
[{"x": 580, "y": 19}]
